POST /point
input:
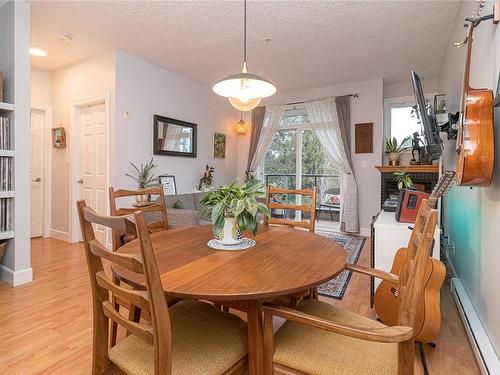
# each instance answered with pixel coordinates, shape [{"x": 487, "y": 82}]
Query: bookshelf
[{"x": 15, "y": 267}]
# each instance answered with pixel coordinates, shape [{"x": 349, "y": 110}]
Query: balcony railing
[{"x": 325, "y": 184}]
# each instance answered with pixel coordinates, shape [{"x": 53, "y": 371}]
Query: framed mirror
[{"x": 173, "y": 137}]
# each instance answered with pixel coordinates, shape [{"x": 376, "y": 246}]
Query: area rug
[{"x": 353, "y": 245}]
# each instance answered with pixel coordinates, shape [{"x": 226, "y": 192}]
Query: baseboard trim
[
  {"x": 365, "y": 232},
  {"x": 59, "y": 235},
  {"x": 486, "y": 356},
  {"x": 16, "y": 278}
]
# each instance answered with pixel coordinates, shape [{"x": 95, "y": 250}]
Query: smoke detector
[{"x": 65, "y": 37}]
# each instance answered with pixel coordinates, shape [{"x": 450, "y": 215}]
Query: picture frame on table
[{"x": 168, "y": 183}]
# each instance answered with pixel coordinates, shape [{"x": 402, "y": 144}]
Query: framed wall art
[{"x": 219, "y": 145}]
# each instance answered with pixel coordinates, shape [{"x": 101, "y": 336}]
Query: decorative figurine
[{"x": 416, "y": 141}]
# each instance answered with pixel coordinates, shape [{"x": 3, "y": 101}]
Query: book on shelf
[
  {"x": 5, "y": 214},
  {"x": 4, "y": 133},
  {"x": 6, "y": 173}
]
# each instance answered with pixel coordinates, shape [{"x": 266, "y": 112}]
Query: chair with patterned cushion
[
  {"x": 319, "y": 338},
  {"x": 188, "y": 338}
]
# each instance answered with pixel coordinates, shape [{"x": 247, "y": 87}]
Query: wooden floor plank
[{"x": 46, "y": 326}]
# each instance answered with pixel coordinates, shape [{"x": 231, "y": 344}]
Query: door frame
[
  {"x": 74, "y": 161},
  {"x": 47, "y": 166}
]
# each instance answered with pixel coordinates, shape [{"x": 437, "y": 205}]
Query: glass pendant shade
[
  {"x": 244, "y": 107},
  {"x": 241, "y": 127}
]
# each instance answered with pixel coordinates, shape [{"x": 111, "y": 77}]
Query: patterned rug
[{"x": 352, "y": 244}]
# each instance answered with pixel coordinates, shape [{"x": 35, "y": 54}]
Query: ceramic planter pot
[
  {"x": 393, "y": 158},
  {"x": 231, "y": 233}
]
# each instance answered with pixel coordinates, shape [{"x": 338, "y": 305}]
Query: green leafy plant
[
  {"x": 144, "y": 175},
  {"x": 236, "y": 201},
  {"x": 391, "y": 145},
  {"x": 403, "y": 179}
]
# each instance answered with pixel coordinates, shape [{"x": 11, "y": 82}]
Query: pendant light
[
  {"x": 244, "y": 90},
  {"x": 241, "y": 127}
]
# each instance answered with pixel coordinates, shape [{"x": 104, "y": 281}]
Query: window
[
  {"x": 404, "y": 121},
  {"x": 296, "y": 159}
]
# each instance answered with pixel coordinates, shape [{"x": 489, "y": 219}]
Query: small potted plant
[
  {"x": 403, "y": 179},
  {"x": 144, "y": 177},
  {"x": 394, "y": 150},
  {"x": 234, "y": 209}
]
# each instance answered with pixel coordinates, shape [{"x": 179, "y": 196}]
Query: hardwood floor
[{"x": 46, "y": 326}]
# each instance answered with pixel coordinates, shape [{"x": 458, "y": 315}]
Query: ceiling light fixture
[
  {"x": 241, "y": 127},
  {"x": 244, "y": 90},
  {"x": 36, "y": 51},
  {"x": 65, "y": 37}
]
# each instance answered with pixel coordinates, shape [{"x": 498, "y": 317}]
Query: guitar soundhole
[{"x": 395, "y": 292}]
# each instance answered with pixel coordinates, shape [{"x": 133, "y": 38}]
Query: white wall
[
  {"x": 87, "y": 79},
  {"x": 368, "y": 107},
  {"x": 472, "y": 215},
  {"x": 143, "y": 90},
  {"x": 400, "y": 89},
  {"x": 41, "y": 87}
]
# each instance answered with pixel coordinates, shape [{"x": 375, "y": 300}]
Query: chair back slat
[
  {"x": 311, "y": 209},
  {"x": 144, "y": 331},
  {"x": 158, "y": 206},
  {"x": 129, "y": 261},
  {"x": 138, "y": 298},
  {"x": 412, "y": 273},
  {"x": 156, "y": 332}
]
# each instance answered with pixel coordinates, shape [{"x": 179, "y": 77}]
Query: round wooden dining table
[{"x": 284, "y": 261}]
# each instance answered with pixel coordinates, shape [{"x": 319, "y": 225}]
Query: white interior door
[
  {"x": 94, "y": 160},
  {"x": 36, "y": 172}
]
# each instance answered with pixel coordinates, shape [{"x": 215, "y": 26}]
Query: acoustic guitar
[
  {"x": 475, "y": 141},
  {"x": 428, "y": 317}
]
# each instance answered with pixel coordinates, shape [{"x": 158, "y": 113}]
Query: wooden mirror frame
[{"x": 158, "y": 151}]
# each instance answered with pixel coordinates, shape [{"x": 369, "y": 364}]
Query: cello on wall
[{"x": 475, "y": 142}]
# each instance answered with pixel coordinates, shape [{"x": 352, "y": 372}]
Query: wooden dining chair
[
  {"x": 157, "y": 211},
  {"x": 320, "y": 338},
  {"x": 273, "y": 191},
  {"x": 190, "y": 337}
]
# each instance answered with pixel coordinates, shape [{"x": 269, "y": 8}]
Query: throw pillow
[
  {"x": 178, "y": 204},
  {"x": 332, "y": 198}
]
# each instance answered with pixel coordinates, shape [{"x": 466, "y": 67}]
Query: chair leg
[
  {"x": 134, "y": 314},
  {"x": 114, "y": 325},
  {"x": 422, "y": 356}
]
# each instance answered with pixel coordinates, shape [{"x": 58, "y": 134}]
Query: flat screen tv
[{"x": 430, "y": 128}]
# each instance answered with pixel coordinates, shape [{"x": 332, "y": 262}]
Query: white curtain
[
  {"x": 172, "y": 137},
  {"x": 324, "y": 119},
  {"x": 272, "y": 118}
]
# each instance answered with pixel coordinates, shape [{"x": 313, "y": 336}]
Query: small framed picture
[
  {"x": 219, "y": 145},
  {"x": 168, "y": 183},
  {"x": 58, "y": 138}
]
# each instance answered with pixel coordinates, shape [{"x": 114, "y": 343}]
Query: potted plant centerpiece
[
  {"x": 394, "y": 150},
  {"x": 144, "y": 177},
  {"x": 234, "y": 209}
]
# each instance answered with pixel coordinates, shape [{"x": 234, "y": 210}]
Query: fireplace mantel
[{"x": 408, "y": 168}]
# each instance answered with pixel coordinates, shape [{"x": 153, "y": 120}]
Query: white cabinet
[{"x": 389, "y": 236}]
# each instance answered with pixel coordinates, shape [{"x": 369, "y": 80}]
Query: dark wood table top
[{"x": 284, "y": 261}]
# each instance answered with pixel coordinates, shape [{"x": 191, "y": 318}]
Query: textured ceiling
[{"x": 314, "y": 43}]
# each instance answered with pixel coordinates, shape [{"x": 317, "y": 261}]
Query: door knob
[
  {"x": 38, "y": 179},
  {"x": 80, "y": 181}
]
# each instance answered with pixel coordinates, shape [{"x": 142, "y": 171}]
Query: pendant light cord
[{"x": 245, "y": 32}]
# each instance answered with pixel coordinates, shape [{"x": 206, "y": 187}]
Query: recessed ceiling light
[{"x": 36, "y": 51}]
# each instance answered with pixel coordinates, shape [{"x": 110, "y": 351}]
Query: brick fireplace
[{"x": 426, "y": 175}]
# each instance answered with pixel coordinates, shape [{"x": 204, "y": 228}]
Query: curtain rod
[{"x": 302, "y": 102}]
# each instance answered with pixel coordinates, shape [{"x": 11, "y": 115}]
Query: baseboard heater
[{"x": 486, "y": 356}]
